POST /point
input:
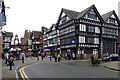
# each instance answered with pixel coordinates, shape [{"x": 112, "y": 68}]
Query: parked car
[
  {"x": 105, "y": 58},
  {"x": 111, "y": 57}
]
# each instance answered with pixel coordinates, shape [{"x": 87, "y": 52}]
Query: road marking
[
  {"x": 21, "y": 74},
  {"x": 24, "y": 74},
  {"x": 111, "y": 70}
]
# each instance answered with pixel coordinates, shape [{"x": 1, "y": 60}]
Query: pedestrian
[
  {"x": 55, "y": 56},
  {"x": 42, "y": 55},
  {"x": 6, "y": 57},
  {"x": 11, "y": 62},
  {"x": 92, "y": 60},
  {"x": 96, "y": 59},
  {"x": 23, "y": 55},
  {"x": 66, "y": 56},
  {"x": 73, "y": 56},
  {"x": 59, "y": 57}
]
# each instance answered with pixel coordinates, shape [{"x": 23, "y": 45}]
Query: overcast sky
[{"x": 32, "y": 14}]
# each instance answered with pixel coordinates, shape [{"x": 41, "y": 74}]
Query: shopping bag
[
  {"x": 90, "y": 63},
  {"x": 62, "y": 58}
]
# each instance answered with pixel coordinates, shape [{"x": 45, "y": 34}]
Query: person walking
[
  {"x": 42, "y": 55},
  {"x": 55, "y": 56},
  {"x": 6, "y": 57},
  {"x": 66, "y": 56},
  {"x": 96, "y": 59},
  {"x": 73, "y": 56},
  {"x": 23, "y": 55},
  {"x": 92, "y": 60},
  {"x": 59, "y": 57},
  {"x": 11, "y": 59}
]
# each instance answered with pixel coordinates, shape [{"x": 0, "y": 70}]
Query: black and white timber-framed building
[
  {"x": 87, "y": 32},
  {"x": 51, "y": 40}
]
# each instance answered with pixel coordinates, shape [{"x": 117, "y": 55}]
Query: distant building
[
  {"x": 34, "y": 41},
  {"x": 22, "y": 40},
  {"x": 37, "y": 42},
  {"x": 7, "y": 39},
  {"x": 26, "y": 40},
  {"x": 51, "y": 40}
]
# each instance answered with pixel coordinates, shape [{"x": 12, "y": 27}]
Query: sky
[{"x": 33, "y": 14}]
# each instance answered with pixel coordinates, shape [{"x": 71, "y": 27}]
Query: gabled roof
[
  {"x": 8, "y": 34},
  {"x": 50, "y": 29},
  {"x": 70, "y": 13},
  {"x": 76, "y": 15},
  {"x": 44, "y": 29},
  {"x": 82, "y": 13},
  {"x": 107, "y": 15}
]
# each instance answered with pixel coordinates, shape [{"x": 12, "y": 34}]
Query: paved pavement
[
  {"x": 114, "y": 65},
  {"x": 11, "y": 74}
]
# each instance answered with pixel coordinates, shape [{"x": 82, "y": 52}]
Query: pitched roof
[
  {"x": 50, "y": 29},
  {"x": 70, "y": 13},
  {"x": 84, "y": 12},
  {"x": 37, "y": 34},
  {"x": 8, "y": 34},
  {"x": 75, "y": 15},
  {"x": 107, "y": 15}
]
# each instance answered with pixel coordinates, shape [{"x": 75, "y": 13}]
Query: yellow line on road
[
  {"x": 21, "y": 74},
  {"x": 112, "y": 70},
  {"x": 25, "y": 74}
]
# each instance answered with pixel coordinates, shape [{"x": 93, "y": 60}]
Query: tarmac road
[{"x": 68, "y": 69}]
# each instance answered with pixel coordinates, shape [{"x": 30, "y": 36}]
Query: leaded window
[
  {"x": 7, "y": 39},
  {"x": 81, "y": 39},
  {"x": 96, "y": 40},
  {"x": 51, "y": 41},
  {"x": 89, "y": 40},
  {"x": 90, "y": 29},
  {"x": 110, "y": 31},
  {"x": 97, "y": 30},
  {"x": 82, "y": 27}
]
